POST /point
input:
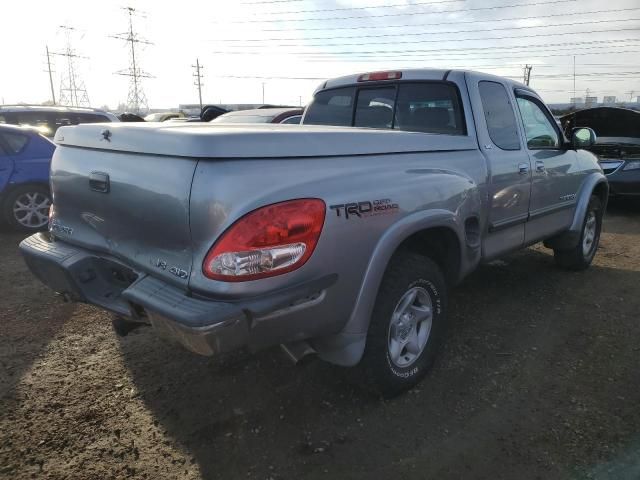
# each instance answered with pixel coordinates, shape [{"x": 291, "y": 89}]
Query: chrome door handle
[
  {"x": 523, "y": 168},
  {"x": 540, "y": 166}
]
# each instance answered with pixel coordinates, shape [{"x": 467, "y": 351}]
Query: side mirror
[{"x": 582, "y": 137}]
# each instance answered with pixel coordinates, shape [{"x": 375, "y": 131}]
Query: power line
[
  {"x": 509, "y": 37},
  {"x": 552, "y": 25},
  {"x": 270, "y": 2},
  {"x": 454, "y": 22},
  {"x": 404, "y": 14},
  {"x": 366, "y": 7},
  {"x": 524, "y": 54}
]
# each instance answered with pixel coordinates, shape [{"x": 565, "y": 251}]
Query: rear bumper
[{"x": 204, "y": 326}]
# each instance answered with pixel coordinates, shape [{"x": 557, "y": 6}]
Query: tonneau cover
[{"x": 210, "y": 140}]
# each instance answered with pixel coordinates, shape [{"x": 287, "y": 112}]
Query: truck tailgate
[{"x": 132, "y": 206}]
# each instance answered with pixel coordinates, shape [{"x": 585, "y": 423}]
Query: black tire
[
  {"x": 580, "y": 257},
  {"x": 406, "y": 272},
  {"x": 20, "y": 219}
]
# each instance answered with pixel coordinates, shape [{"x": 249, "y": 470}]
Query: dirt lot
[{"x": 540, "y": 379}]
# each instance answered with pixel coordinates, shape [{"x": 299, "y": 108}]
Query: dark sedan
[{"x": 617, "y": 145}]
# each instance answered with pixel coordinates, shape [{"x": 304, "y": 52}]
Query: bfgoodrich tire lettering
[{"x": 416, "y": 281}]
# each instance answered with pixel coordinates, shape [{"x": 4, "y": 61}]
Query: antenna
[
  {"x": 72, "y": 89},
  {"x": 198, "y": 76},
  {"x": 136, "y": 98},
  {"x": 527, "y": 74}
]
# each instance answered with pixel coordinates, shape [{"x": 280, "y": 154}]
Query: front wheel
[
  {"x": 407, "y": 324},
  {"x": 581, "y": 256},
  {"x": 26, "y": 208}
]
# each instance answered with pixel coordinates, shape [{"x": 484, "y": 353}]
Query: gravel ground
[{"x": 539, "y": 379}]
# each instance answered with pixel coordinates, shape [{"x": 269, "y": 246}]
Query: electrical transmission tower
[
  {"x": 527, "y": 74},
  {"x": 136, "y": 98},
  {"x": 198, "y": 76},
  {"x": 72, "y": 89}
]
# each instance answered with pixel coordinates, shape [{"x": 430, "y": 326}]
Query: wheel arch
[
  {"x": 437, "y": 234},
  {"x": 595, "y": 184}
]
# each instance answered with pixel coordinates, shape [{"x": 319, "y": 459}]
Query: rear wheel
[
  {"x": 406, "y": 325},
  {"x": 26, "y": 208},
  {"x": 581, "y": 256}
]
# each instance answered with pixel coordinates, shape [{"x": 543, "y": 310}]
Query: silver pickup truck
[{"x": 340, "y": 237}]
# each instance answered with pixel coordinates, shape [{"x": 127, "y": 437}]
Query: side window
[
  {"x": 91, "y": 118},
  {"x": 430, "y": 108},
  {"x": 375, "y": 107},
  {"x": 538, "y": 128},
  {"x": 331, "y": 107},
  {"x": 294, "y": 120},
  {"x": 501, "y": 121},
  {"x": 15, "y": 142}
]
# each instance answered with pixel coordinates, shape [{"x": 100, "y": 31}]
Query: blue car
[{"x": 25, "y": 158}]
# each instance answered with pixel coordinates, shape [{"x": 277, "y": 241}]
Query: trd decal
[{"x": 365, "y": 209}]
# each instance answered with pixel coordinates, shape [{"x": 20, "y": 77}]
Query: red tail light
[
  {"x": 269, "y": 241},
  {"x": 375, "y": 76}
]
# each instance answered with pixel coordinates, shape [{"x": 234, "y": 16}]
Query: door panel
[
  {"x": 509, "y": 164},
  {"x": 556, "y": 177}
]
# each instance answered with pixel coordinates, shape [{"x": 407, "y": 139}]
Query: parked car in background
[
  {"x": 48, "y": 119},
  {"x": 617, "y": 144},
  {"x": 262, "y": 115},
  {"x": 25, "y": 156},
  {"x": 130, "y": 117},
  {"x": 163, "y": 116}
]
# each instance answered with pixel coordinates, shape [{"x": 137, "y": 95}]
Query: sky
[{"x": 285, "y": 48}]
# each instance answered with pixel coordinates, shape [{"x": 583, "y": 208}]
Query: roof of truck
[{"x": 414, "y": 74}]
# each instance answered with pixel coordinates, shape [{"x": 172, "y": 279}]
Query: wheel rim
[
  {"x": 410, "y": 327},
  {"x": 589, "y": 235},
  {"x": 31, "y": 209}
]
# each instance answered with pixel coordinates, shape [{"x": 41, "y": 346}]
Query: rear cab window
[
  {"x": 427, "y": 107},
  {"x": 499, "y": 115}
]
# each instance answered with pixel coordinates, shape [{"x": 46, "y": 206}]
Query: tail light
[
  {"x": 376, "y": 76},
  {"x": 269, "y": 241}
]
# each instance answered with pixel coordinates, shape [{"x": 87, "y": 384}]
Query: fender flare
[
  {"x": 347, "y": 347},
  {"x": 571, "y": 237}
]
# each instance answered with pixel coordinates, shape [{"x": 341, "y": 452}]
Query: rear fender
[{"x": 347, "y": 347}]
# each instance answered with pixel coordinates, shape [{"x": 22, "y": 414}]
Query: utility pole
[
  {"x": 574, "y": 76},
  {"x": 53, "y": 95},
  {"x": 630, "y": 93},
  {"x": 72, "y": 89},
  {"x": 263, "y": 93},
  {"x": 527, "y": 74},
  {"x": 198, "y": 76},
  {"x": 136, "y": 98}
]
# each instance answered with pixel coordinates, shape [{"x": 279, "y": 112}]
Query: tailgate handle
[{"x": 99, "y": 182}]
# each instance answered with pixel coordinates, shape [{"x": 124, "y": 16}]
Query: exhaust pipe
[
  {"x": 123, "y": 327},
  {"x": 299, "y": 351}
]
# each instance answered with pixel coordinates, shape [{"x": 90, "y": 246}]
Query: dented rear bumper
[{"x": 205, "y": 326}]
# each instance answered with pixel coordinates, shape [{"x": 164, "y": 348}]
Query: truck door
[
  {"x": 555, "y": 173},
  {"x": 509, "y": 165}
]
